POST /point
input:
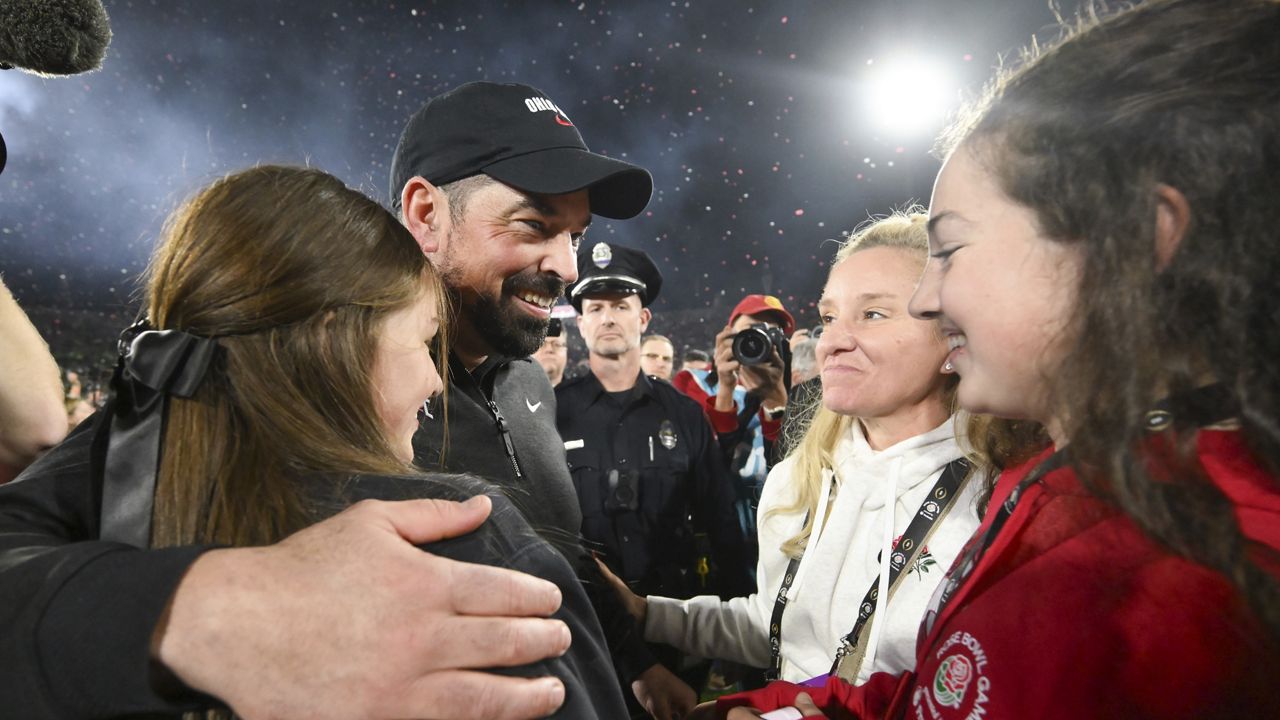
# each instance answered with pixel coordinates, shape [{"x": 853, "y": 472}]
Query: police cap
[{"x": 613, "y": 269}]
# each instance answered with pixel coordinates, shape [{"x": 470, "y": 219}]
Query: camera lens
[
  {"x": 752, "y": 347},
  {"x": 626, "y": 495}
]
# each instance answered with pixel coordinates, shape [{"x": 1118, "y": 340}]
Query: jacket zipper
[{"x": 505, "y": 432}]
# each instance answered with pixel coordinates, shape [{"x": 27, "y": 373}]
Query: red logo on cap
[{"x": 563, "y": 120}]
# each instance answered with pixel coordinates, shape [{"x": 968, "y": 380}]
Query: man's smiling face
[{"x": 507, "y": 259}]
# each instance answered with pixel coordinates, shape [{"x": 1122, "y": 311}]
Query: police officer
[{"x": 657, "y": 500}]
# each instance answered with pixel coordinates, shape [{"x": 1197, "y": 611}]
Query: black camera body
[
  {"x": 755, "y": 345},
  {"x": 623, "y": 492}
]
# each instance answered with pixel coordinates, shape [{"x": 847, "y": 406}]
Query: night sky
[{"x": 755, "y": 119}]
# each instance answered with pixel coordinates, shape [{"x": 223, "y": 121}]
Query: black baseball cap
[
  {"x": 514, "y": 134},
  {"x": 614, "y": 270}
]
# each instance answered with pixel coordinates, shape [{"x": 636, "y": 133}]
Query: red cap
[{"x": 758, "y": 304}]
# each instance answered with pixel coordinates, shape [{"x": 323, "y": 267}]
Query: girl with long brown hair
[
  {"x": 277, "y": 379},
  {"x": 1104, "y": 262}
]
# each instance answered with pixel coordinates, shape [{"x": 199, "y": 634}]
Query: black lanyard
[
  {"x": 935, "y": 506},
  {"x": 977, "y": 546}
]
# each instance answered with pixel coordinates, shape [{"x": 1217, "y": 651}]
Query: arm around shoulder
[
  {"x": 96, "y": 629},
  {"x": 353, "y": 597}
]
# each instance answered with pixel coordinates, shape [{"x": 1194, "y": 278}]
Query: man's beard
[{"x": 507, "y": 329}]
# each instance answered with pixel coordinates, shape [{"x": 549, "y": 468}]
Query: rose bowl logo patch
[
  {"x": 959, "y": 687},
  {"x": 952, "y": 680}
]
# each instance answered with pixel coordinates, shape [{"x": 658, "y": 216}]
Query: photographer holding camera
[
  {"x": 656, "y": 497},
  {"x": 745, "y": 394}
]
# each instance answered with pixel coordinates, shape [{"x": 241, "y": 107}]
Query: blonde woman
[{"x": 880, "y": 453}]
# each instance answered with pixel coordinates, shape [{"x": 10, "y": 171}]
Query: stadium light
[{"x": 908, "y": 96}]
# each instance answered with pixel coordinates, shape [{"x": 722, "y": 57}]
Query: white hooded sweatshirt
[{"x": 839, "y": 564}]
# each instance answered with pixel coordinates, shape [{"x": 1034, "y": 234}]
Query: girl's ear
[{"x": 1173, "y": 215}]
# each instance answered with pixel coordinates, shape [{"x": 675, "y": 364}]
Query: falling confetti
[{"x": 739, "y": 111}]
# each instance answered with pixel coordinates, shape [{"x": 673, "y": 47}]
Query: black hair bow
[{"x": 153, "y": 365}]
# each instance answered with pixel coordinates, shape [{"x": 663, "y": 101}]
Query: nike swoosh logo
[{"x": 531, "y": 406}]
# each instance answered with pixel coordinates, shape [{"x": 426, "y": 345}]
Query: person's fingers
[
  {"x": 485, "y": 590},
  {"x": 424, "y": 521},
  {"x": 479, "y": 642},
  {"x": 612, "y": 579},
  {"x": 635, "y": 604},
  {"x": 462, "y": 695},
  {"x": 704, "y": 711},
  {"x": 743, "y": 713},
  {"x": 724, "y": 343},
  {"x": 666, "y": 708},
  {"x": 807, "y": 708},
  {"x": 683, "y": 702}
]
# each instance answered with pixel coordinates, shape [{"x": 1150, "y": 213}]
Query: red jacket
[
  {"x": 724, "y": 421},
  {"x": 1074, "y": 613}
]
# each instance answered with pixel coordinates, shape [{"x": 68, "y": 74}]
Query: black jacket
[
  {"x": 78, "y": 613},
  {"x": 654, "y": 492},
  {"x": 523, "y": 454},
  {"x": 522, "y": 397}
]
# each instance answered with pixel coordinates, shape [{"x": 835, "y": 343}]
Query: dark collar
[
  {"x": 476, "y": 383},
  {"x": 594, "y": 390}
]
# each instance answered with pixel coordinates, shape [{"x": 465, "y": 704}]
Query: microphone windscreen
[{"x": 53, "y": 37}]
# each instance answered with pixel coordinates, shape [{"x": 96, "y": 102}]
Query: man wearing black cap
[
  {"x": 497, "y": 186},
  {"x": 655, "y": 495}
]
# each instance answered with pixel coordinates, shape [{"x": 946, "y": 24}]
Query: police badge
[
  {"x": 602, "y": 255},
  {"x": 667, "y": 434}
]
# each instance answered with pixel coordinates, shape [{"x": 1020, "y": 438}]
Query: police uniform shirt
[{"x": 660, "y": 439}]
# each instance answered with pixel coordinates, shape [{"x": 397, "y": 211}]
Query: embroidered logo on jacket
[
  {"x": 959, "y": 683},
  {"x": 952, "y": 680}
]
